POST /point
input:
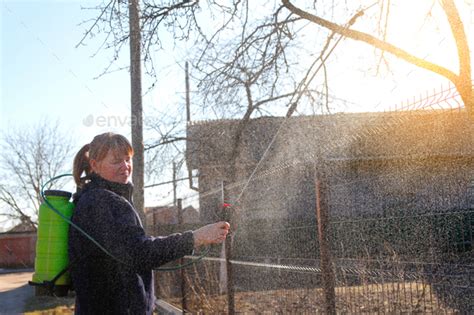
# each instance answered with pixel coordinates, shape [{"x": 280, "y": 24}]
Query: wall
[
  {"x": 17, "y": 249},
  {"x": 421, "y": 160}
]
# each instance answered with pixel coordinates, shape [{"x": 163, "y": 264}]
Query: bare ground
[{"x": 14, "y": 292}]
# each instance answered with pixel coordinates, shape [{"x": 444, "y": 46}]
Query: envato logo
[{"x": 112, "y": 121}]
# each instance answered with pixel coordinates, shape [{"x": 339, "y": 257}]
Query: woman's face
[{"x": 115, "y": 167}]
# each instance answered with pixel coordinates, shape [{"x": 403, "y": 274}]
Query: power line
[{"x": 169, "y": 182}]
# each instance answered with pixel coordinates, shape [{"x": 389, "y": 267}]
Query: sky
[{"x": 45, "y": 75}]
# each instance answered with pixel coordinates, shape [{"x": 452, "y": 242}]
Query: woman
[{"x": 122, "y": 284}]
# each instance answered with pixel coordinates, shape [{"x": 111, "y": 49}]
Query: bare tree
[
  {"x": 263, "y": 35},
  {"x": 252, "y": 59},
  {"x": 462, "y": 80},
  {"x": 29, "y": 158}
]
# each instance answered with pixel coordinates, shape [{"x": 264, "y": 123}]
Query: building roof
[
  {"x": 21, "y": 228},
  {"x": 352, "y": 136},
  {"x": 169, "y": 215}
]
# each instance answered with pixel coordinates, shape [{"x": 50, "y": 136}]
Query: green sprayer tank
[{"x": 52, "y": 241}]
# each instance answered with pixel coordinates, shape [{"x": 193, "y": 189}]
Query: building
[
  {"x": 372, "y": 166},
  {"x": 18, "y": 247},
  {"x": 169, "y": 215},
  {"x": 430, "y": 155}
]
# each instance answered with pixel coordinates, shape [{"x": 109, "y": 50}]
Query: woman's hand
[{"x": 211, "y": 234}]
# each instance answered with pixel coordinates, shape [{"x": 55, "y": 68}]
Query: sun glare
[{"x": 421, "y": 28}]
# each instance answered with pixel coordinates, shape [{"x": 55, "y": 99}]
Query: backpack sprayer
[{"x": 52, "y": 260}]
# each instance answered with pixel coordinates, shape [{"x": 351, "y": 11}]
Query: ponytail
[{"x": 81, "y": 165}]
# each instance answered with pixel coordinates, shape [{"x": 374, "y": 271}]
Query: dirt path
[{"x": 14, "y": 291}]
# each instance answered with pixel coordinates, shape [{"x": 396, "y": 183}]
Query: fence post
[
  {"x": 181, "y": 261},
  {"x": 323, "y": 237},
  {"x": 228, "y": 252}
]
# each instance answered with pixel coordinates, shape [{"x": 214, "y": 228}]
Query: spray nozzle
[{"x": 226, "y": 210}]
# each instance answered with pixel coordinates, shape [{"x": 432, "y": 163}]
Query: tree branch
[
  {"x": 464, "y": 81},
  {"x": 371, "y": 40},
  {"x": 457, "y": 29}
]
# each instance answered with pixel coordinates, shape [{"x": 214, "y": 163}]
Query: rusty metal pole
[
  {"x": 228, "y": 254},
  {"x": 181, "y": 260},
  {"x": 324, "y": 249}
]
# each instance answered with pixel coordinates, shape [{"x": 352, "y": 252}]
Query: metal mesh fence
[{"x": 368, "y": 212}]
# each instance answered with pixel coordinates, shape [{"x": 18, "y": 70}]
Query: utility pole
[
  {"x": 188, "y": 120},
  {"x": 136, "y": 108},
  {"x": 188, "y": 99},
  {"x": 174, "y": 185}
]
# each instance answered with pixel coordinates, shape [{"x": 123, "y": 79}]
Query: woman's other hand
[{"x": 211, "y": 234}]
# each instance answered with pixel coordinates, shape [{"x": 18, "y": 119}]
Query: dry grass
[
  {"x": 393, "y": 298},
  {"x": 49, "y": 305}
]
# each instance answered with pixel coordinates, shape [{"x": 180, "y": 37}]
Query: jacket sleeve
[{"x": 112, "y": 222}]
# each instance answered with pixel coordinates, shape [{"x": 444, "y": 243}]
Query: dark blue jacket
[{"x": 104, "y": 285}]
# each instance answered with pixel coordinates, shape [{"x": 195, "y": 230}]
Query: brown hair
[{"x": 97, "y": 150}]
